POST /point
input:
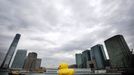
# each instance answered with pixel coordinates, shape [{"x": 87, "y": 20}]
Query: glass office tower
[
  {"x": 10, "y": 52},
  {"x": 85, "y": 58},
  {"x": 78, "y": 58},
  {"x": 98, "y": 55},
  {"x": 19, "y": 59},
  {"x": 118, "y": 51}
]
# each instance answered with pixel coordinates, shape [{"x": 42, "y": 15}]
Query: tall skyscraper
[
  {"x": 85, "y": 58},
  {"x": 118, "y": 51},
  {"x": 30, "y": 62},
  {"x": 19, "y": 59},
  {"x": 78, "y": 58},
  {"x": 10, "y": 52},
  {"x": 98, "y": 55}
]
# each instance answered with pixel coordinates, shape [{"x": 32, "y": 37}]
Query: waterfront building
[
  {"x": 78, "y": 58},
  {"x": 10, "y": 52},
  {"x": 98, "y": 55},
  {"x": 85, "y": 58},
  {"x": 30, "y": 62},
  {"x": 19, "y": 59},
  {"x": 119, "y": 52}
]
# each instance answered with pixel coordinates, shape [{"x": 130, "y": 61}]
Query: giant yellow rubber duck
[{"x": 64, "y": 70}]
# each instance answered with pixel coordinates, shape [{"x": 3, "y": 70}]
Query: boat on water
[{"x": 16, "y": 72}]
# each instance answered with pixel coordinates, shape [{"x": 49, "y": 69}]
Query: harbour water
[
  {"x": 6, "y": 73},
  {"x": 54, "y": 72}
]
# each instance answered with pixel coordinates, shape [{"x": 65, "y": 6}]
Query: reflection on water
[
  {"x": 6, "y": 73},
  {"x": 3, "y": 73},
  {"x": 54, "y": 72}
]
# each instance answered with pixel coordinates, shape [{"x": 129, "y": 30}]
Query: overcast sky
[{"x": 57, "y": 29}]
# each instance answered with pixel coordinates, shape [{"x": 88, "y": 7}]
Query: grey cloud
[
  {"x": 40, "y": 39},
  {"x": 122, "y": 19},
  {"x": 5, "y": 42}
]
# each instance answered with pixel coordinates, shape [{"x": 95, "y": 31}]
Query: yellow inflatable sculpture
[{"x": 64, "y": 70}]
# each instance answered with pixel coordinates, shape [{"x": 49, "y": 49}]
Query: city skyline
[
  {"x": 86, "y": 56},
  {"x": 54, "y": 35}
]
